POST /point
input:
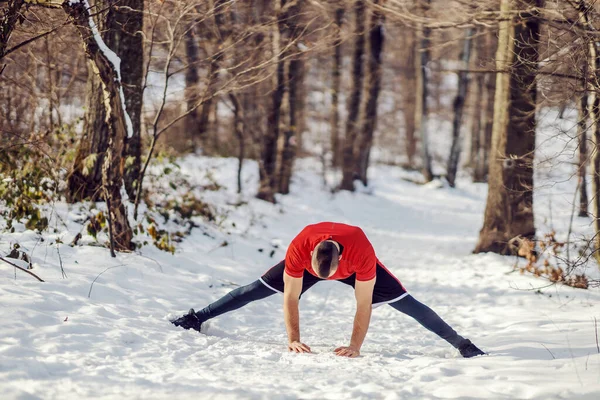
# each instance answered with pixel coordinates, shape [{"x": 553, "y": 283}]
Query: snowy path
[{"x": 56, "y": 343}]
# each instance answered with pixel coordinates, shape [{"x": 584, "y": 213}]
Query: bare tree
[
  {"x": 295, "y": 80},
  {"x": 336, "y": 75},
  {"x": 459, "y": 104},
  {"x": 421, "y": 109},
  {"x": 121, "y": 29},
  {"x": 408, "y": 77},
  {"x": 373, "y": 87},
  {"x": 484, "y": 110},
  {"x": 509, "y": 208},
  {"x": 116, "y": 120},
  {"x": 349, "y": 165},
  {"x": 268, "y": 168}
]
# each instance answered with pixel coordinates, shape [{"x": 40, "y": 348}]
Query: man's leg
[
  {"x": 270, "y": 283},
  {"x": 430, "y": 320},
  {"x": 231, "y": 301},
  {"x": 235, "y": 299}
]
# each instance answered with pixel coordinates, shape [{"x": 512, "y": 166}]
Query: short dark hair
[{"x": 325, "y": 258}]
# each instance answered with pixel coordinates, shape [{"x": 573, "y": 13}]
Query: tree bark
[
  {"x": 421, "y": 110},
  {"x": 118, "y": 130},
  {"x": 121, "y": 29},
  {"x": 459, "y": 105},
  {"x": 509, "y": 208},
  {"x": 349, "y": 161},
  {"x": 336, "y": 78},
  {"x": 374, "y": 71}
]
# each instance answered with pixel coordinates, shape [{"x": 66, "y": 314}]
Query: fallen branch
[
  {"x": 22, "y": 269},
  {"x": 96, "y": 278}
]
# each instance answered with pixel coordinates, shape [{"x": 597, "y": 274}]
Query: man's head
[{"x": 325, "y": 258}]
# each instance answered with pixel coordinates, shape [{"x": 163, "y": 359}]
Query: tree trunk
[
  {"x": 487, "y": 124},
  {"x": 291, "y": 134},
  {"x": 488, "y": 107},
  {"x": 476, "y": 128},
  {"x": 267, "y": 171},
  {"x": 122, "y": 32},
  {"x": 192, "y": 79},
  {"x": 459, "y": 105},
  {"x": 295, "y": 81},
  {"x": 376, "y": 39},
  {"x": 336, "y": 78},
  {"x": 116, "y": 120},
  {"x": 583, "y": 156},
  {"x": 408, "y": 95},
  {"x": 238, "y": 129},
  {"x": 479, "y": 129},
  {"x": 509, "y": 208},
  {"x": 349, "y": 162},
  {"x": 127, "y": 27},
  {"x": 593, "y": 72},
  {"x": 85, "y": 181},
  {"x": 421, "y": 111},
  {"x": 213, "y": 73}
]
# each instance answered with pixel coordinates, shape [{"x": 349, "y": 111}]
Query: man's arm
[
  {"x": 292, "y": 287},
  {"x": 364, "y": 298}
]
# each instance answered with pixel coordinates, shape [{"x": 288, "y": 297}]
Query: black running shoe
[
  {"x": 188, "y": 321},
  {"x": 468, "y": 349}
]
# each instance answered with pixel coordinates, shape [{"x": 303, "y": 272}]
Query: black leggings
[{"x": 408, "y": 305}]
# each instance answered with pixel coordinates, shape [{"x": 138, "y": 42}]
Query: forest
[{"x": 157, "y": 154}]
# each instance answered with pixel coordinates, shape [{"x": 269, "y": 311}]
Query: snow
[
  {"x": 103, "y": 332},
  {"x": 114, "y": 60}
]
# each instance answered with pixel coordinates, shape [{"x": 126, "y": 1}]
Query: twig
[
  {"x": 92, "y": 285},
  {"x": 568, "y": 243},
  {"x": 62, "y": 269},
  {"x": 548, "y": 351},
  {"x": 596, "y": 332},
  {"x": 22, "y": 269},
  {"x": 151, "y": 259}
]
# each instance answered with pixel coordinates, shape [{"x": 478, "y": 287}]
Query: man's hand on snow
[
  {"x": 298, "y": 347},
  {"x": 349, "y": 351}
]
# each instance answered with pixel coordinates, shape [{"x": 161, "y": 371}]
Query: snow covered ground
[{"x": 66, "y": 339}]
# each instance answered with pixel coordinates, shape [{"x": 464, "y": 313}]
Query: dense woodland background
[{"x": 95, "y": 92}]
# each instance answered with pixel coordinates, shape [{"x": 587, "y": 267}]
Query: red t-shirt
[{"x": 358, "y": 254}]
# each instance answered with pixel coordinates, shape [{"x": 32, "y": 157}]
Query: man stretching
[{"x": 331, "y": 251}]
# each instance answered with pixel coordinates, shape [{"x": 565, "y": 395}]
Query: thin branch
[
  {"x": 596, "y": 331},
  {"x": 22, "y": 269},
  {"x": 98, "y": 276},
  {"x": 30, "y": 40},
  {"x": 554, "y": 358}
]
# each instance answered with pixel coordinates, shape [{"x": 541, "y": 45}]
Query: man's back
[{"x": 356, "y": 252}]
